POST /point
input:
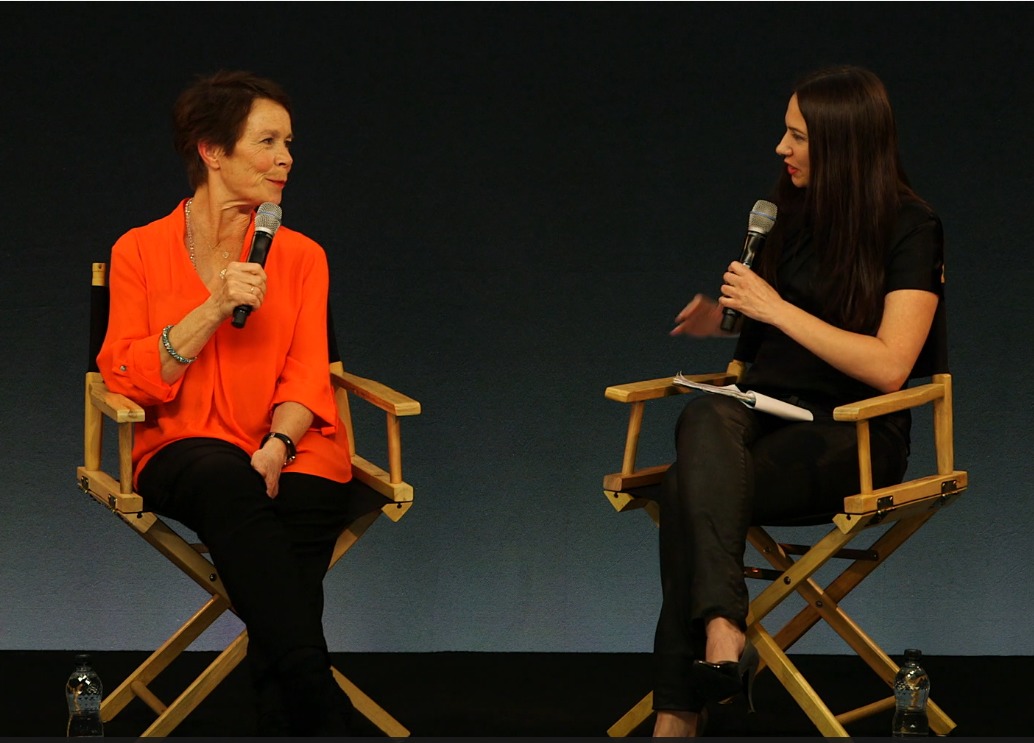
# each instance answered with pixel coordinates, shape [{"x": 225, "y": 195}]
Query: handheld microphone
[
  {"x": 267, "y": 222},
  {"x": 762, "y": 218}
]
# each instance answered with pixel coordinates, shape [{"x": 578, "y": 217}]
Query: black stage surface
[{"x": 525, "y": 695}]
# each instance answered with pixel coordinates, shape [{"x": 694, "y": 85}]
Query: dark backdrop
[{"x": 515, "y": 199}]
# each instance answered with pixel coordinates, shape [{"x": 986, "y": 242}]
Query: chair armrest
[
  {"x": 377, "y": 394},
  {"x": 654, "y": 389},
  {"x": 100, "y": 403},
  {"x": 117, "y": 407},
  {"x": 892, "y": 402},
  {"x": 947, "y": 479},
  {"x": 636, "y": 394},
  {"x": 395, "y": 405}
]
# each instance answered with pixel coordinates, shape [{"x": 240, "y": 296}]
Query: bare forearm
[
  {"x": 292, "y": 419},
  {"x": 860, "y": 356},
  {"x": 883, "y": 361},
  {"x": 188, "y": 338}
]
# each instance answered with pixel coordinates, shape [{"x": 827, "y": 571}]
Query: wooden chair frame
[
  {"x": 904, "y": 508},
  {"x": 117, "y": 495}
]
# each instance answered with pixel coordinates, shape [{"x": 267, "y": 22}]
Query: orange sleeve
[
  {"x": 129, "y": 359},
  {"x": 303, "y": 378}
]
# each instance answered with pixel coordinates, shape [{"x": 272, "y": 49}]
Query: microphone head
[
  {"x": 267, "y": 218},
  {"x": 762, "y": 217}
]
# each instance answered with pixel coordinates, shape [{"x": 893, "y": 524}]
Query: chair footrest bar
[
  {"x": 146, "y": 696},
  {"x": 868, "y": 710}
]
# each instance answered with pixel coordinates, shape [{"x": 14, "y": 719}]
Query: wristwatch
[{"x": 292, "y": 452}]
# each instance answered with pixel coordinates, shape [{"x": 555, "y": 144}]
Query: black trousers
[
  {"x": 271, "y": 553},
  {"x": 735, "y": 468}
]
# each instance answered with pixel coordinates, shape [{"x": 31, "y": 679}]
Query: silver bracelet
[{"x": 172, "y": 351}]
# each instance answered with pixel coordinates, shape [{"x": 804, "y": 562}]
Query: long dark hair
[{"x": 856, "y": 185}]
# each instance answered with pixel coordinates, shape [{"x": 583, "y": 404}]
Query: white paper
[{"x": 751, "y": 399}]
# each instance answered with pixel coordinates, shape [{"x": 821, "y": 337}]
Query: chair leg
[
  {"x": 794, "y": 682},
  {"x": 846, "y": 582},
  {"x": 369, "y": 708},
  {"x": 797, "y": 578},
  {"x": 360, "y": 700},
  {"x": 135, "y": 685},
  {"x": 823, "y": 604},
  {"x": 199, "y": 689},
  {"x": 633, "y": 718},
  {"x": 347, "y": 539},
  {"x": 168, "y": 542}
]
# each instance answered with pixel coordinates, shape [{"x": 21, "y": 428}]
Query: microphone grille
[
  {"x": 762, "y": 217},
  {"x": 267, "y": 218}
]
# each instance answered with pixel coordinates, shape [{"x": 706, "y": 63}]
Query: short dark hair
[{"x": 214, "y": 109}]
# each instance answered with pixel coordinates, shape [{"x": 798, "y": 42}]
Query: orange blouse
[{"x": 240, "y": 375}]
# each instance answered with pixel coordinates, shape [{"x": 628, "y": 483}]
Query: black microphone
[
  {"x": 762, "y": 218},
  {"x": 267, "y": 222}
]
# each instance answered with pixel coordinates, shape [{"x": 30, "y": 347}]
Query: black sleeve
[{"x": 916, "y": 256}]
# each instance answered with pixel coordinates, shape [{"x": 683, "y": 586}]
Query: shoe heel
[
  {"x": 749, "y": 691},
  {"x": 749, "y": 669},
  {"x": 721, "y": 683}
]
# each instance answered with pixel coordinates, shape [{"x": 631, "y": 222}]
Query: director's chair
[
  {"x": 904, "y": 508},
  {"x": 115, "y": 491}
]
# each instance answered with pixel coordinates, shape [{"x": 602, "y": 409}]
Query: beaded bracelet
[{"x": 172, "y": 351}]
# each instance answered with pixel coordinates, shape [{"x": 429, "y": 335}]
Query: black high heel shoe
[{"x": 720, "y": 682}]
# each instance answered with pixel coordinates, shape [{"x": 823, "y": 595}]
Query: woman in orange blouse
[{"x": 242, "y": 441}]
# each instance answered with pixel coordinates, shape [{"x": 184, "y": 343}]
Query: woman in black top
[{"x": 837, "y": 307}]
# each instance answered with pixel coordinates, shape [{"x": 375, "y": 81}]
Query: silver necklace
[{"x": 190, "y": 242}]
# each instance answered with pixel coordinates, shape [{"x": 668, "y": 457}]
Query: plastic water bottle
[
  {"x": 83, "y": 692},
  {"x": 911, "y": 690}
]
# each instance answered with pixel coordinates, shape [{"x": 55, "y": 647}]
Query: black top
[{"x": 782, "y": 368}]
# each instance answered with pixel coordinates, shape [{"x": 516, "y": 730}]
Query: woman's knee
[
  {"x": 223, "y": 484},
  {"x": 710, "y": 415}
]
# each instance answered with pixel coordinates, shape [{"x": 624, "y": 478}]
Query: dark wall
[{"x": 515, "y": 199}]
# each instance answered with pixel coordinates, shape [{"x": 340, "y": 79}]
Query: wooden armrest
[
  {"x": 937, "y": 392},
  {"x": 109, "y": 492},
  {"x": 653, "y": 389},
  {"x": 622, "y": 481},
  {"x": 117, "y": 407},
  {"x": 395, "y": 405},
  {"x": 100, "y": 401},
  {"x": 872, "y": 407},
  {"x": 378, "y": 394},
  {"x": 379, "y": 480},
  {"x": 638, "y": 393},
  {"x": 936, "y": 489}
]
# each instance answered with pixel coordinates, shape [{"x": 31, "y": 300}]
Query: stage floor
[{"x": 523, "y": 694}]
